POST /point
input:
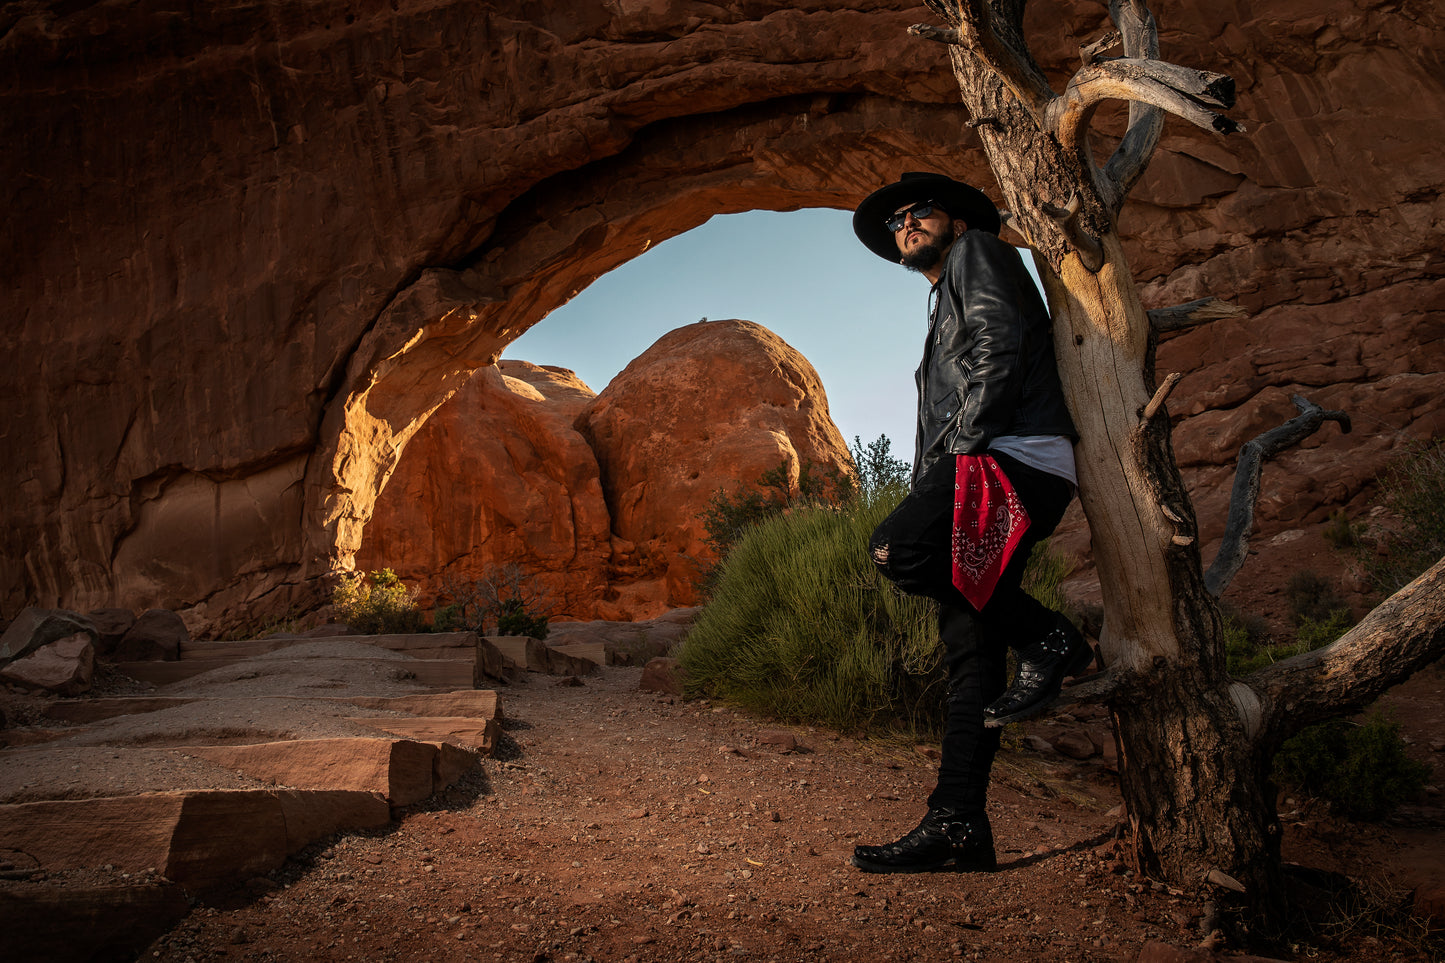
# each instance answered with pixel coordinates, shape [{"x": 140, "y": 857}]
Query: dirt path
[{"x": 617, "y": 825}]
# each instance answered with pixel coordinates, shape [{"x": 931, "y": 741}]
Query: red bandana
[{"x": 988, "y": 523}]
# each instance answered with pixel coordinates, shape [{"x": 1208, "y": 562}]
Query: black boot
[
  {"x": 944, "y": 840},
  {"x": 1042, "y": 669}
]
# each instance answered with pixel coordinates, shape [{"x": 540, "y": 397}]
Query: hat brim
[{"x": 962, "y": 202}]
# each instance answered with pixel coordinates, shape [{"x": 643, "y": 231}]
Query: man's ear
[{"x": 959, "y": 226}]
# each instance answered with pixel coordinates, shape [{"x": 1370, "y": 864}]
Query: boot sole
[{"x": 946, "y": 866}]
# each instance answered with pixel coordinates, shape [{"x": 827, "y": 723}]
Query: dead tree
[{"x": 1195, "y": 746}]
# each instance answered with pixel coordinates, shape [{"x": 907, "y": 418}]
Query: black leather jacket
[{"x": 988, "y": 366}]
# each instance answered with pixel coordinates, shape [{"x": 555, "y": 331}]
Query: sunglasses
[{"x": 919, "y": 211}]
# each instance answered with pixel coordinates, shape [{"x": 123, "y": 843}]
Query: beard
[{"x": 927, "y": 255}]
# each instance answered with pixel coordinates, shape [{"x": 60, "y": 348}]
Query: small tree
[{"x": 505, "y": 599}]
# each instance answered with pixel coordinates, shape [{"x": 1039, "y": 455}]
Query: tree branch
[
  {"x": 1246, "y": 486},
  {"x": 1202, "y": 311},
  {"x": 1403, "y": 634},
  {"x": 1179, "y": 90},
  {"x": 976, "y": 29},
  {"x": 1140, "y": 35}
]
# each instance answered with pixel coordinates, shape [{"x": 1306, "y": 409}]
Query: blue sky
[{"x": 859, "y": 320}]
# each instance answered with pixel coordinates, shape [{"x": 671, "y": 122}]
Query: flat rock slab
[
  {"x": 84, "y": 711},
  {"x": 478, "y": 734},
  {"x": 403, "y": 771},
  {"x": 201, "y": 839},
  {"x": 470, "y": 703},
  {"x": 57, "y": 923},
  {"x": 594, "y": 652},
  {"x": 437, "y": 660},
  {"x": 530, "y": 655}
]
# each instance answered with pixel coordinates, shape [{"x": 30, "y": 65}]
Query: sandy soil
[{"x": 616, "y": 825}]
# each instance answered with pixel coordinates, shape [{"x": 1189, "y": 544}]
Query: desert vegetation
[{"x": 800, "y": 626}]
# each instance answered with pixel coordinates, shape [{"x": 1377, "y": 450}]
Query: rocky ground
[{"x": 619, "y": 825}]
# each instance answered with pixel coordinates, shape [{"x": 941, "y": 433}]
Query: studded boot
[
  {"x": 946, "y": 840},
  {"x": 1043, "y": 666}
]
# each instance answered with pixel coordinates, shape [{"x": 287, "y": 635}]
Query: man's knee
[{"x": 878, "y": 551}]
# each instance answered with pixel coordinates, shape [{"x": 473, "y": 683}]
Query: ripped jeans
[{"x": 912, "y": 548}]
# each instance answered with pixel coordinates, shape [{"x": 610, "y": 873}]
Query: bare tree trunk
[{"x": 1195, "y": 746}]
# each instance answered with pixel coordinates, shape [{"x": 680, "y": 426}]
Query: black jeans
[{"x": 913, "y": 549}]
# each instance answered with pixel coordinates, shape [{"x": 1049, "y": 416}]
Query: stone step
[
  {"x": 478, "y": 734},
  {"x": 418, "y": 645},
  {"x": 473, "y": 703},
  {"x": 594, "y": 652},
  {"x": 530, "y": 655},
  {"x": 82, "y": 922},
  {"x": 402, "y": 771},
  {"x": 438, "y": 673},
  {"x": 201, "y": 839}
]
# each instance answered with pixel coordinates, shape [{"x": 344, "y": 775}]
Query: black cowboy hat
[{"x": 965, "y": 203}]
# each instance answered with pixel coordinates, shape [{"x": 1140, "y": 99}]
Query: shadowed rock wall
[{"x": 250, "y": 247}]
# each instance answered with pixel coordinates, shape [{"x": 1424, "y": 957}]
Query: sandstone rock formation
[
  {"x": 498, "y": 477},
  {"x": 248, "y": 252},
  {"x": 710, "y": 406},
  {"x": 596, "y": 498}
]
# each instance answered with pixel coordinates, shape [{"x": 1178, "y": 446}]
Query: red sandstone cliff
[{"x": 249, "y": 251}]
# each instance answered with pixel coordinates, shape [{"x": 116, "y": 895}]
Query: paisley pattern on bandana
[{"x": 988, "y": 523}]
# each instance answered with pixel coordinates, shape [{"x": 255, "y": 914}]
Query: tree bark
[{"x": 1195, "y": 747}]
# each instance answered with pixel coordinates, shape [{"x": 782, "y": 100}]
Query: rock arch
[{"x": 249, "y": 252}]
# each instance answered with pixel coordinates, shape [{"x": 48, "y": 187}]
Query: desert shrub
[
  {"x": 1316, "y": 633},
  {"x": 505, "y": 601},
  {"x": 802, "y": 627},
  {"x": 1247, "y": 648},
  {"x": 377, "y": 603},
  {"x": 1319, "y": 615},
  {"x": 512, "y": 618},
  {"x": 1362, "y": 769},
  {"x": 1414, "y": 490},
  {"x": 1342, "y": 534},
  {"x": 1044, "y": 578},
  {"x": 876, "y": 470},
  {"x": 728, "y": 515}
]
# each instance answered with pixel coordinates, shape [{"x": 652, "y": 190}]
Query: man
[{"x": 993, "y": 471}]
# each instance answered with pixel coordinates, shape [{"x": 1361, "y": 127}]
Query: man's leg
[
  {"x": 912, "y": 548},
  {"x": 1049, "y": 647}
]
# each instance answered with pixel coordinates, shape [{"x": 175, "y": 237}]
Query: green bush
[
  {"x": 512, "y": 618},
  {"x": 377, "y": 604},
  {"x": 802, "y": 627},
  {"x": 1247, "y": 649},
  {"x": 1362, "y": 769},
  {"x": 876, "y": 468},
  {"x": 1414, "y": 490},
  {"x": 728, "y": 516},
  {"x": 1317, "y": 633}
]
